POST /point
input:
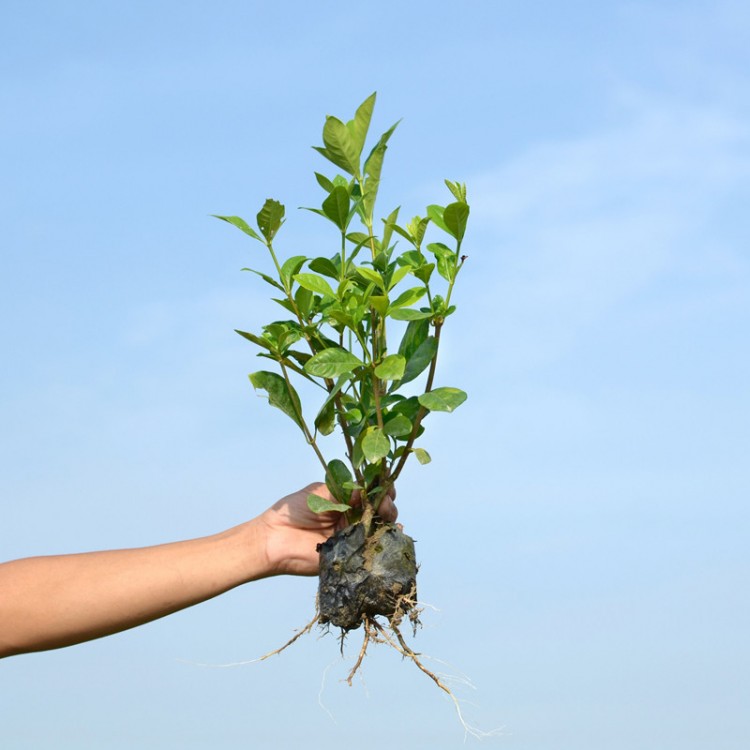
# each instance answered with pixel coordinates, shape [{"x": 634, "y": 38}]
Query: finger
[{"x": 388, "y": 510}]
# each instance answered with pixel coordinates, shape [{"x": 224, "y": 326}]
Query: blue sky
[{"x": 583, "y": 527}]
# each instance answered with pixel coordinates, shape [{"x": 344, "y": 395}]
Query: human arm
[{"x": 55, "y": 601}]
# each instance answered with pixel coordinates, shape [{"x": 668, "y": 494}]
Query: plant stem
[
  {"x": 422, "y": 411},
  {"x": 305, "y": 429}
]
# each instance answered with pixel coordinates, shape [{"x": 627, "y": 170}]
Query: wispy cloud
[{"x": 572, "y": 228}]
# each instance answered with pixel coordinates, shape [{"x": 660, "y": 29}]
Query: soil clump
[{"x": 361, "y": 576}]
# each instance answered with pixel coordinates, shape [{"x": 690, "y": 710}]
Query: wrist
[{"x": 246, "y": 546}]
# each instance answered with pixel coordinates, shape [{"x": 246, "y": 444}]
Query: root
[
  {"x": 368, "y": 637},
  {"x": 406, "y": 651},
  {"x": 297, "y": 635}
]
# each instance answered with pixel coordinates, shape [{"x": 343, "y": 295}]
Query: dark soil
[{"x": 363, "y": 577}]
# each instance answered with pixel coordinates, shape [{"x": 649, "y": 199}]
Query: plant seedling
[{"x": 363, "y": 324}]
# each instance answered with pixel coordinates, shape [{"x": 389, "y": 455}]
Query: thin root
[
  {"x": 368, "y": 637},
  {"x": 304, "y": 630},
  {"x": 406, "y": 651}
]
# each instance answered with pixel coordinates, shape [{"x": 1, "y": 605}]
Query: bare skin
[{"x": 56, "y": 601}]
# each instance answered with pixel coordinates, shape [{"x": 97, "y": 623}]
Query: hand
[{"x": 293, "y": 532}]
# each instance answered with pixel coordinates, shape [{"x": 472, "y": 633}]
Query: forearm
[{"x": 50, "y": 602}]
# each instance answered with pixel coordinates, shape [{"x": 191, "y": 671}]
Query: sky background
[{"x": 583, "y": 529}]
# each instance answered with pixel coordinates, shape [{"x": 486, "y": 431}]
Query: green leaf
[
  {"x": 458, "y": 189},
  {"x": 388, "y": 227},
  {"x": 338, "y": 478},
  {"x": 391, "y": 368},
  {"x": 315, "y": 284},
  {"x": 324, "y": 182},
  {"x": 398, "y": 426},
  {"x": 240, "y": 224},
  {"x": 372, "y": 276},
  {"x": 442, "y": 399},
  {"x": 455, "y": 217},
  {"x": 373, "y": 168},
  {"x": 270, "y": 218},
  {"x": 359, "y": 126},
  {"x": 422, "y": 455},
  {"x": 339, "y": 146},
  {"x": 409, "y": 407},
  {"x": 332, "y": 362},
  {"x": 326, "y": 267},
  {"x": 375, "y": 445},
  {"x": 380, "y": 303},
  {"x": 291, "y": 267},
  {"x": 417, "y": 228},
  {"x": 280, "y": 395},
  {"x": 266, "y": 278},
  {"x": 336, "y": 207},
  {"x": 398, "y": 275},
  {"x": 382, "y": 141},
  {"x": 446, "y": 259},
  {"x": 424, "y": 272},
  {"x": 407, "y": 313},
  {"x": 420, "y": 359},
  {"x": 358, "y": 238},
  {"x": 258, "y": 340},
  {"x": 325, "y": 422},
  {"x": 409, "y": 297},
  {"x": 318, "y": 504},
  {"x": 406, "y": 235},
  {"x": 435, "y": 214},
  {"x": 329, "y": 402},
  {"x": 416, "y": 332}
]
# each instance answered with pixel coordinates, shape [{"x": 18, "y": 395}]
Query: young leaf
[
  {"x": 359, "y": 126},
  {"x": 388, "y": 227},
  {"x": 258, "y": 340},
  {"x": 270, "y": 218},
  {"x": 240, "y": 224},
  {"x": 266, "y": 278},
  {"x": 398, "y": 275},
  {"x": 332, "y": 362},
  {"x": 339, "y": 146},
  {"x": 314, "y": 284},
  {"x": 455, "y": 217},
  {"x": 373, "y": 168},
  {"x": 422, "y": 455},
  {"x": 318, "y": 504},
  {"x": 375, "y": 445},
  {"x": 336, "y": 207},
  {"x": 436, "y": 217},
  {"x": 391, "y": 368},
  {"x": 324, "y": 182},
  {"x": 458, "y": 189},
  {"x": 380, "y": 303},
  {"x": 442, "y": 399},
  {"x": 279, "y": 394}
]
